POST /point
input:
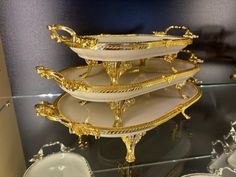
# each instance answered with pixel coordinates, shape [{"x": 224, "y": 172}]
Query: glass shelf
[{"x": 187, "y": 141}]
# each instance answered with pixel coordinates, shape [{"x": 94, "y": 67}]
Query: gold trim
[
  {"x": 87, "y": 129},
  {"x": 92, "y": 41},
  {"x": 73, "y": 85},
  {"x": 187, "y": 34}
]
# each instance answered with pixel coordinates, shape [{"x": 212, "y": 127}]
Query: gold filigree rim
[
  {"x": 131, "y": 45},
  {"x": 92, "y": 41},
  {"x": 141, "y": 127},
  {"x": 131, "y": 87}
]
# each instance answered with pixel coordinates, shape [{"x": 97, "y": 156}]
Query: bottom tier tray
[{"x": 96, "y": 119}]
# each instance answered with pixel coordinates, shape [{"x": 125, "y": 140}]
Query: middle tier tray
[{"x": 97, "y": 87}]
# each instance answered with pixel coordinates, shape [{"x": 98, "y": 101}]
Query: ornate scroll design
[
  {"x": 82, "y": 41},
  {"x": 116, "y": 69},
  {"x": 193, "y": 58},
  {"x": 187, "y": 34},
  {"x": 51, "y": 112},
  {"x": 71, "y": 85}
]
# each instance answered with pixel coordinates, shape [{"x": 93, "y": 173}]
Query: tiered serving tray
[
  {"x": 94, "y": 118},
  {"x": 123, "y": 47},
  {"x": 117, "y": 51},
  {"x": 97, "y": 87}
]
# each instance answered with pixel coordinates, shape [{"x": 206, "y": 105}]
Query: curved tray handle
[
  {"x": 187, "y": 34},
  {"x": 40, "y": 153},
  {"x": 51, "y": 112},
  {"x": 71, "y": 85},
  {"x": 54, "y": 34},
  {"x": 214, "y": 152},
  {"x": 75, "y": 41},
  {"x": 192, "y": 58}
]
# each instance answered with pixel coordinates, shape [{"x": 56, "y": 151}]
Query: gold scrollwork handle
[
  {"x": 49, "y": 111},
  {"x": 47, "y": 73},
  {"x": 40, "y": 153},
  {"x": 192, "y": 58},
  {"x": 54, "y": 34},
  {"x": 187, "y": 34}
]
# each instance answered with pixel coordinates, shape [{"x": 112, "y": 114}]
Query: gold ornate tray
[
  {"x": 97, "y": 87},
  {"x": 117, "y": 51},
  {"x": 123, "y": 47},
  {"x": 94, "y": 118}
]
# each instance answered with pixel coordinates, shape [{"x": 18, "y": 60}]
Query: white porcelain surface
[
  {"x": 232, "y": 159},
  {"x": 60, "y": 165},
  {"x": 220, "y": 162},
  {"x": 154, "y": 70},
  {"x": 147, "y": 108},
  {"x": 98, "y": 53}
]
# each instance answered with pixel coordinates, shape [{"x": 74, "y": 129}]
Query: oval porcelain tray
[
  {"x": 96, "y": 118},
  {"x": 60, "y": 164},
  {"x": 124, "y": 47},
  {"x": 156, "y": 74}
]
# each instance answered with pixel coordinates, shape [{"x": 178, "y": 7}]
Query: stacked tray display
[{"x": 131, "y": 84}]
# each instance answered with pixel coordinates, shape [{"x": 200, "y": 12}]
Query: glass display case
[{"x": 176, "y": 147}]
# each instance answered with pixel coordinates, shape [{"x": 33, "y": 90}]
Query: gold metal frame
[
  {"x": 91, "y": 41},
  {"x": 52, "y": 113},
  {"x": 73, "y": 85}
]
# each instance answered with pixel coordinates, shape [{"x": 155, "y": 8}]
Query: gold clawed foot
[
  {"x": 116, "y": 69},
  {"x": 179, "y": 87},
  {"x": 118, "y": 108},
  {"x": 130, "y": 143},
  {"x": 91, "y": 64}
]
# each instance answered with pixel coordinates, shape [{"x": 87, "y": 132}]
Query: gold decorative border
[
  {"x": 92, "y": 42},
  {"x": 88, "y": 129},
  {"x": 73, "y": 85}
]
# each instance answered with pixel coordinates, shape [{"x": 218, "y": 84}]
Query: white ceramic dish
[
  {"x": 96, "y": 118},
  {"x": 60, "y": 165},
  {"x": 124, "y": 47},
  {"x": 231, "y": 160},
  {"x": 97, "y": 87}
]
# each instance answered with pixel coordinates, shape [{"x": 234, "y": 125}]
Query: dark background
[{"x": 26, "y": 44}]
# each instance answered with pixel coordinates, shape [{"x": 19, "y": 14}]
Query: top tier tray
[{"x": 123, "y": 47}]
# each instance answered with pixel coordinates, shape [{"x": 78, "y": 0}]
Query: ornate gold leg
[
  {"x": 91, "y": 64},
  {"x": 170, "y": 59},
  {"x": 118, "y": 108},
  {"x": 179, "y": 87},
  {"x": 116, "y": 69},
  {"x": 130, "y": 143}
]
